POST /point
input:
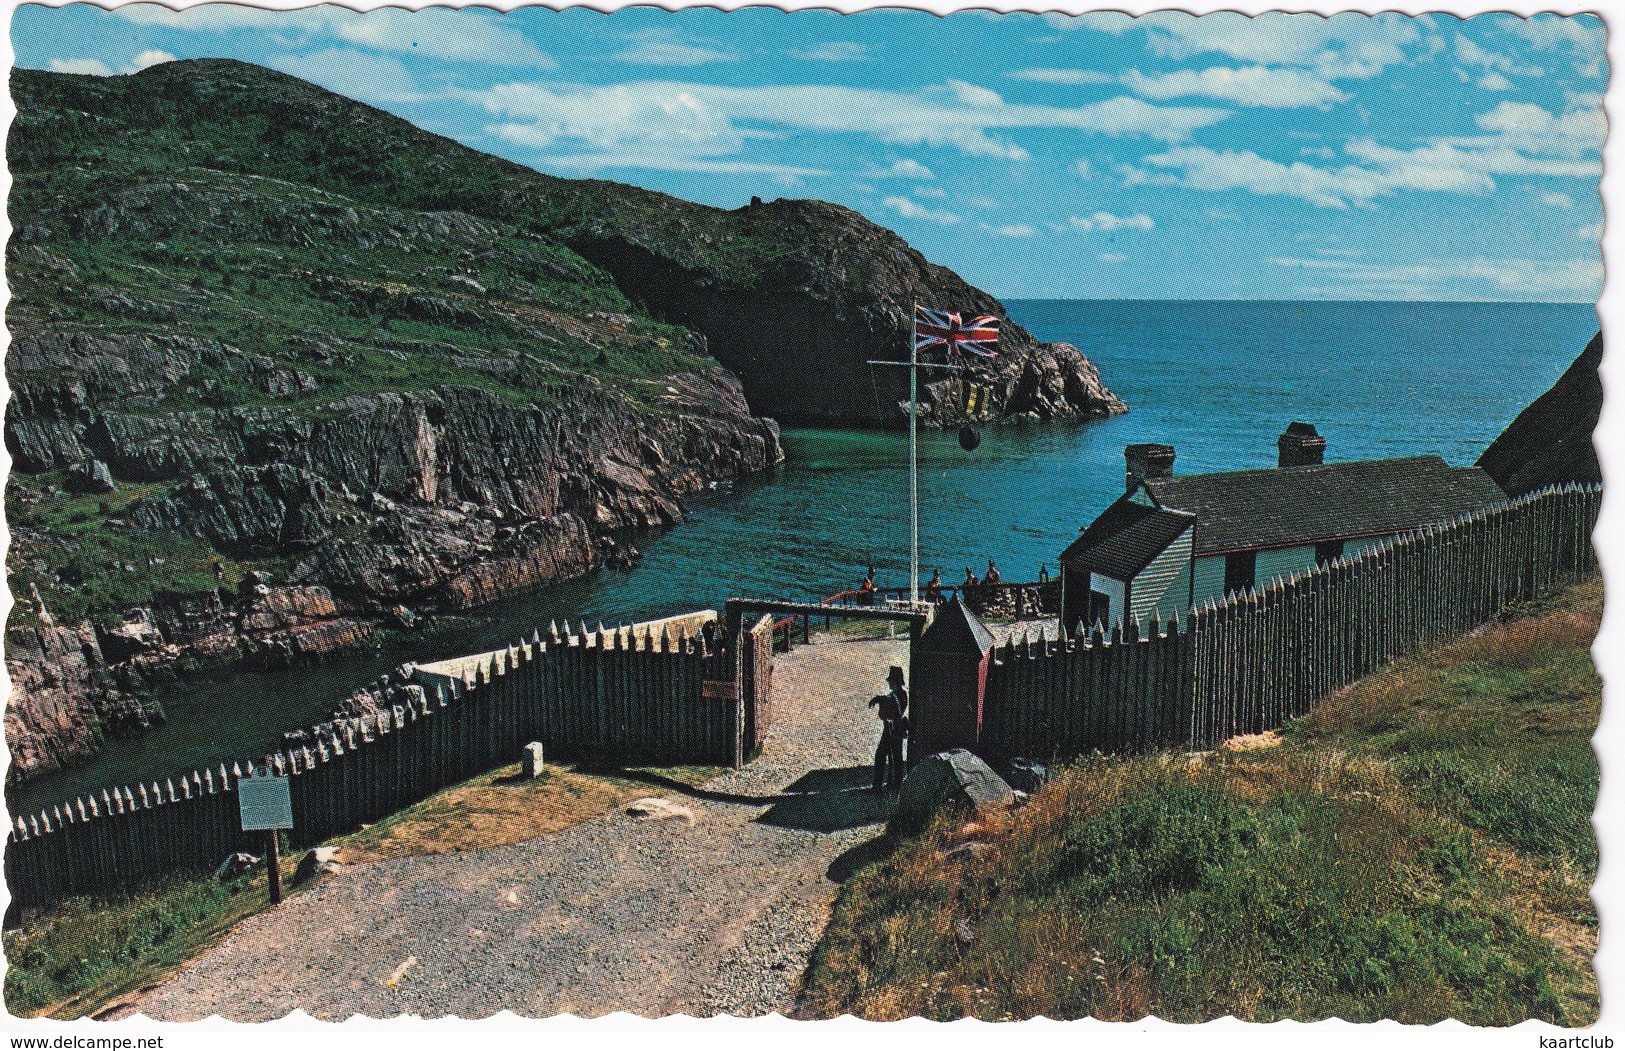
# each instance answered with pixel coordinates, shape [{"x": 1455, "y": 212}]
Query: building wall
[
  {"x": 1354, "y": 547},
  {"x": 1112, "y": 588},
  {"x": 1272, "y": 565},
  {"x": 1165, "y": 583},
  {"x": 1209, "y": 578}
]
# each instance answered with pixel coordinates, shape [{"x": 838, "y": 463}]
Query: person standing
[
  {"x": 893, "y": 706},
  {"x": 992, "y": 576}
]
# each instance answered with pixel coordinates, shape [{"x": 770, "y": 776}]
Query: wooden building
[{"x": 1170, "y": 543}]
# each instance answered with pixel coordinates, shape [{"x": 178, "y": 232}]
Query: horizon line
[{"x": 1248, "y": 299}]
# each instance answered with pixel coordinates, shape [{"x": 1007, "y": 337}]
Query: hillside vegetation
[
  {"x": 287, "y": 371},
  {"x": 1418, "y": 848}
]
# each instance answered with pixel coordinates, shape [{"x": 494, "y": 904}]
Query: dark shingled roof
[
  {"x": 1285, "y": 506},
  {"x": 1126, "y": 537},
  {"x": 955, "y": 629}
]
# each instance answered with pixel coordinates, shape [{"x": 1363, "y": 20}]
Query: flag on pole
[{"x": 936, "y": 328}]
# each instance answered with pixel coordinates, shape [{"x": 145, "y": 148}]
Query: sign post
[{"x": 265, "y": 805}]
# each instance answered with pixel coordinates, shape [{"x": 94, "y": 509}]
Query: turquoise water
[{"x": 1219, "y": 381}]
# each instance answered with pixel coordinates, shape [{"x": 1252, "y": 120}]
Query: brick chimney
[
  {"x": 1148, "y": 460},
  {"x": 1300, "y": 446}
]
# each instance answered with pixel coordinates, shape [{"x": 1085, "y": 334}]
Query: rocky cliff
[
  {"x": 1550, "y": 441},
  {"x": 285, "y": 368}
]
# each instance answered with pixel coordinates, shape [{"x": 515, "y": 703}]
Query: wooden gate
[{"x": 757, "y": 686}]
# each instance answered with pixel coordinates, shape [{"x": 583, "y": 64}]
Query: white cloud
[
  {"x": 1084, "y": 169},
  {"x": 934, "y": 192},
  {"x": 147, "y": 59},
  {"x": 1525, "y": 140},
  {"x": 1069, "y": 77},
  {"x": 909, "y": 210},
  {"x": 460, "y": 36},
  {"x": 903, "y": 169},
  {"x": 836, "y": 51},
  {"x": 1557, "y": 200},
  {"x": 972, "y": 95},
  {"x": 454, "y": 36},
  {"x": 659, "y": 47},
  {"x": 1015, "y": 230},
  {"x": 711, "y": 120},
  {"x": 1325, "y": 153},
  {"x": 1246, "y": 86},
  {"x": 1494, "y": 82},
  {"x": 1581, "y": 37},
  {"x": 1576, "y": 279},
  {"x": 1112, "y": 257},
  {"x": 93, "y": 67},
  {"x": 1343, "y": 46},
  {"x": 1582, "y": 122},
  {"x": 371, "y": 78},
  {"x": 783, "y": 174},
  {"x": 1444, "y": 165},
  {"x": 1106, "y": 222},
  {"x": 1589, "y": 232},
  {"x": 214, "y": 18},
  {"x": 1471, "y": 54},
  {"x": 1201, "y": 168}
]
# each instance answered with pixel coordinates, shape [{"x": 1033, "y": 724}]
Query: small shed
[
  {"x": 948, "y": 667},
  {"x": 1126, "y": 562}
]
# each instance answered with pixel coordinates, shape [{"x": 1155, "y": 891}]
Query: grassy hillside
[{"x": 1418, "y": 848}]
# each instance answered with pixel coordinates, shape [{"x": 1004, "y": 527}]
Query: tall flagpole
[
  {"x": 913, "y": 461},
  {"x": 914, "y": 365}
]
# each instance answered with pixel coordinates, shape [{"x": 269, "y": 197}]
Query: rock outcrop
[
  {"x": 286, "y": 369},
  {"x": 837, "y": 291},
  {"x": 1550, "y": 441},
  {"x": 63, "y": 700}
]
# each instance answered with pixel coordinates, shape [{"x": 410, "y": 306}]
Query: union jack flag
[{"x": 936, "y": 328}]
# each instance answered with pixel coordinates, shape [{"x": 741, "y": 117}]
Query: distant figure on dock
[
  {"x": 866, "y": 590},
  {"x": 992, "y": 576},
  {"x": 1043, "y": 574},
  {"x": 933, "y": 588},
  {"x": 893, "y": 707},
  {"x": 970, "y": 580}
]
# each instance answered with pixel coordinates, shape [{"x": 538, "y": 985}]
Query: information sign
[{"x": 264, "y": 802}]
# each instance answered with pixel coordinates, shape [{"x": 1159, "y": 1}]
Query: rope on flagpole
[{"x": 913, "y": 458}]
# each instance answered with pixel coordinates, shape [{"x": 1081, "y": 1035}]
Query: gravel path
[{"x": 619, "y": 913}]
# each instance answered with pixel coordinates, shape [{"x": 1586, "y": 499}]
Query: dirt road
[{"x": 619, "y": 913}]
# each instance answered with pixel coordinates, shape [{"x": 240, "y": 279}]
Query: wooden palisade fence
[
  {"x": 617, "y": 696},
  {"x": 1259, "y": 658}
]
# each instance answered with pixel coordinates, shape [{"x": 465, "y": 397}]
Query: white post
[{"x": 913, "y": 462}]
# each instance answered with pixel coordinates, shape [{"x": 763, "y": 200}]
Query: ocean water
[{"x": 1218, "y": 381}]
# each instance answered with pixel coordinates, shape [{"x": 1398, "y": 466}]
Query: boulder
[
  {"x": 955, "y": 778},
  {"x": 92, "y": 476},
  {"x": 321, "y": 861},
  {"x": 652, "y": 809},
  {"x": 968, "y": 853},
  {"x": 1026, "y": 775},
  {"x": 532, "y": 765},
  {"x": 235, "y": 866}
]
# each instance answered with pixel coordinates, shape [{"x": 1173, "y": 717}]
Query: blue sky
[{"x": 1169, "y": 156}]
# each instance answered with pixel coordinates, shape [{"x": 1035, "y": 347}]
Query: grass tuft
[{"x": 1419, "y": 848}]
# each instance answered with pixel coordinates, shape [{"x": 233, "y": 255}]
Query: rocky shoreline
[
  {"x": 287, "y": 371},
  {"x": 395, "y": 508}
]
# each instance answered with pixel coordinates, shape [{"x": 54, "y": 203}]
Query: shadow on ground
[
  {"x": 849, "y": 862},
  {"x": 828, "y": 800}
]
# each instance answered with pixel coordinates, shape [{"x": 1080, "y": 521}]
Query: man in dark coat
[{"x": 893, "y": 707}]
